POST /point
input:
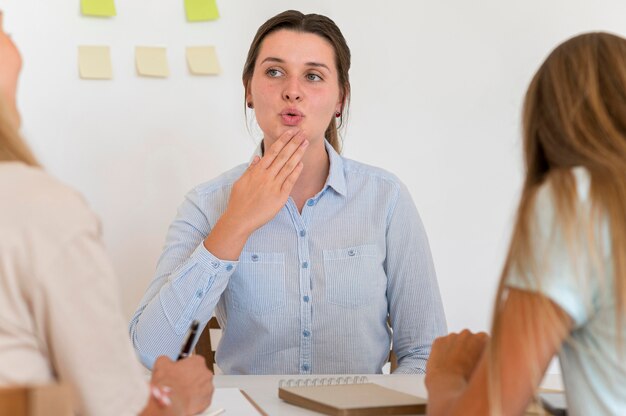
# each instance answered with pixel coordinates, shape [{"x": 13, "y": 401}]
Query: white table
[{"x": 264, "y": 389}]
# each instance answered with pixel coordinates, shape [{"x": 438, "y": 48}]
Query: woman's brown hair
[
  {"x": 574, "y": 116},
  {"x": 321, "y": 26}
]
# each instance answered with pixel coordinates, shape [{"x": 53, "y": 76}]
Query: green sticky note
[
  {"x": 102, "y": 8},
  {"x": 201, "y": 10}
]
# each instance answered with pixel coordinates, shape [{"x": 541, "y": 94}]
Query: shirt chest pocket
[
  {"x": 258, "y": 284},
  {"x": 352, "y": 275}
]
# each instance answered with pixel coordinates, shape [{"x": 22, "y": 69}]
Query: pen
[{"x": 186, "y": 348}]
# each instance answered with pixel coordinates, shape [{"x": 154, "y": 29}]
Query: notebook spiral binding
[{"x": 322, "y": 381}]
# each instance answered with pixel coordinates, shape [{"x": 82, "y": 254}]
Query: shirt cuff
[{"x": 211, "y": 263}]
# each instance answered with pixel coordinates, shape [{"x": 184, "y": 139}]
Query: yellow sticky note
[
  {"x": 94, "y": 62},
  {"x": 152, "y": 61},
  {"x": 102, "y": 8},
  {"x": 201, "y": 10},
  {"x": 202, "y": 60}
]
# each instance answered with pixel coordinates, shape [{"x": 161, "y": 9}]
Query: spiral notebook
[{"x": 349, "y": 396}]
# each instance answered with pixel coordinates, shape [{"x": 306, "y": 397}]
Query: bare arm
[{"x": 457, "y": 373}]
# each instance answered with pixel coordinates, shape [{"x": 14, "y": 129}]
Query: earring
[
  {"x": 337, "y": 114},
  {"x": 249, "y": 104}
]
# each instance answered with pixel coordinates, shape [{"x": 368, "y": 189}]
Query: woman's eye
[
  {"x": 273, "y": 72},
  {"x": 313, "y": 77}
]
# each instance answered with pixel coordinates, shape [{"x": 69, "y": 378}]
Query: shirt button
[
  {"x": 351, "y": 252},
  {"x": 310, "y": 202},
  {"x": 305, "y": 265},
  {"x": 305, "y": 367},
  {"x": 255, "y": 257},
  {"x": 199, "y": 293},
  {"x": 306, "y": 333},
  {"x": 215, "y": 264},
  {"x": 305, "y": 298},
  {"x": 302, "y": 233},
  {"x": 229, "y": 267}
]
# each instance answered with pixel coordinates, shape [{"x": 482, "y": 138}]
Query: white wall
[{"x": 437, "y": 91}]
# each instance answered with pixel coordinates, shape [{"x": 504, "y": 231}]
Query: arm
[
  {"x": 76, "y": 301},
  {"x": 191, "y": 275},
  {"x": 457, "y": 378},
  {"x": 415, "y": 307},
  {"x": 188, "y": 283}
]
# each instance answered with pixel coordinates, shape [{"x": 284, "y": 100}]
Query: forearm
[
  {"x": 171, "y": 303},
  {"x": 414, "y": 362},
  {"x": 417, "y": 319}
]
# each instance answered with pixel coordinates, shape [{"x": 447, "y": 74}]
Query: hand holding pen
[{"x": 188, "y": 379}]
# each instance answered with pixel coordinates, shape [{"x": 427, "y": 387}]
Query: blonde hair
[
  {"x": 12, "y": 146},
  {"x": 574, "y": 115}
]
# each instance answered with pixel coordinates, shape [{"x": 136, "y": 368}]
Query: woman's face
[
  {"x": 10, "y": 66},
  {"x": 294, "y": 85}
]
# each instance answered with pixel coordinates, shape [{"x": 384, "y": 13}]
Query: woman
[
  {"x": 563, "y": 287},
  {"x": 302, "y": 254},
  {"x": 60, "y": 319}
]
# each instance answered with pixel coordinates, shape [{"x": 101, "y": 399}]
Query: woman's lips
[
  {"x": 290, "y": 119},
  {"x": 291, "y": 116}
]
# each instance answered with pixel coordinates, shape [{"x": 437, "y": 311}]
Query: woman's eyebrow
[
  {"x": 318, "y": 65},
  {"x": 282, "y": 61},
  {"x": 272, "y": 59}
]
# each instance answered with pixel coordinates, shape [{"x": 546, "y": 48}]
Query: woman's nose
[{"x": 292, "y": 91}]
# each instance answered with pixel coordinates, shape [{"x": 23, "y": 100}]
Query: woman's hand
[
  {"x": 452, "y": 362},
  {"x": 264, "y": 188},
  {"x": 189, "y": 381},
  {"x": 456, "y": 355},
  {"x": 258, "y": 195}
]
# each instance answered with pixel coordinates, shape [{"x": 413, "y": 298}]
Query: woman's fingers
[
  {"x": 291, "y": 163},
  {"x": 286, "y": 152},
  {"x": 274, "y": 150},
  {"x": 280, "y": 160},
  {"x": 457, "y": 353},
  {"x": 291, "y": 179}
]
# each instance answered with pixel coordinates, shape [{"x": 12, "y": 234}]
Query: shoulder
[
  {"x": 39, "y": 218},
  {"x": 38, "y": 201},
  {"x": 380, "y": 185},
  {"x": 544, "y": 202},
  {"x": 223, "y": 182},
  {"x": 361, "y": 171}
]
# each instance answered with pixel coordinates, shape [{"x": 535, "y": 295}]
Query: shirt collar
[{"x": 336, "y": 177}]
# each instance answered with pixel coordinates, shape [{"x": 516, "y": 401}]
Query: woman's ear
[
  {"x": 342, "y": 101},
  {"x": 249, "y": 102},
  {"x": 339, "y": 106},
  {"x": 246, "y": 87}
]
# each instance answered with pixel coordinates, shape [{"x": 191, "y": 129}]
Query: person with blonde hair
[
  {"x": 563, "y": 286},
  {"x": 60, "y": 316}
]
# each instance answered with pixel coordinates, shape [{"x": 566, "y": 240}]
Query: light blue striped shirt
[{"x": 311, "y": 291}]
